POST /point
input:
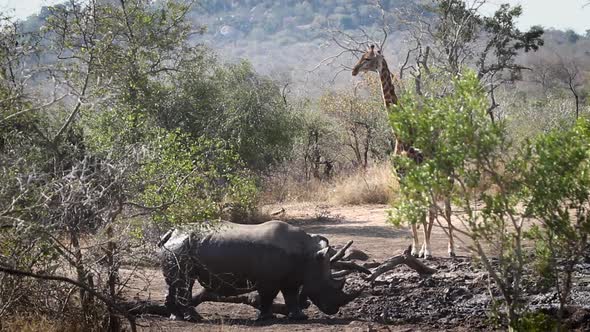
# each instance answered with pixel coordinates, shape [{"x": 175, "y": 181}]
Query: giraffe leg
[
  {"x": 415, "y": 241},
  {"x": 424, "y": 249},
  {"x": 448, "y": 213},
  {"x": 427, "y": 230}
]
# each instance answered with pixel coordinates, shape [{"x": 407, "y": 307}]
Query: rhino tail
[{"x": 164, "y": 238}]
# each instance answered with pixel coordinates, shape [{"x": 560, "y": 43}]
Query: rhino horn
[{"x": 322, "y": 253}]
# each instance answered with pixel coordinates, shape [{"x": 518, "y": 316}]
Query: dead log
[
  {"x": 371, "y": 265},
  {"x": 252, "y": 299},
  {"x": 341, "y": 274},
  {"x": 340, "y": 253},
  {"x": 405, "y": 258}
]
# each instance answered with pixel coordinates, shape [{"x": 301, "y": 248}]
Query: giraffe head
[{"x": 370, "y": 61}]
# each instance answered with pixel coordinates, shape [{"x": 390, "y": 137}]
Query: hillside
[
  {"x": 287, "y": 39},
  {"x": 283, "y": 39},
  {"x": 286, "y": 22}
]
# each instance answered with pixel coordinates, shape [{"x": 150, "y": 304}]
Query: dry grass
[
  {"x": 375, "y": 185},
  {"x": 280, "y": 187},
  {"x": 38, "y": 323}
]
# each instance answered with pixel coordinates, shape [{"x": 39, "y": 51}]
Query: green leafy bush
[
  {"x": 557, "y": 180},
  {"x": 465, "y": 160},
  {"x": 457, "y": 141},
  {"x": 193, "y": 180}
]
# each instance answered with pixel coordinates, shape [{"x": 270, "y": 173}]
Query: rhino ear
[
  {"x": 322, "y": 254},
  {"x": 321, "y": 240}
]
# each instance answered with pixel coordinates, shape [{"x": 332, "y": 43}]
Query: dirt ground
[{"x": 455, "y": 298}]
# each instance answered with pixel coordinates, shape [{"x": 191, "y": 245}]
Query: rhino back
[
  {"x": 272, "y": 234},
  {"x": 269, "y": 252}
]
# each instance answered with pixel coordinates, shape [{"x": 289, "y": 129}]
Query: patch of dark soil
[
  {"x": 457, "y": 296},
  {"x": 577, "y": 318}
]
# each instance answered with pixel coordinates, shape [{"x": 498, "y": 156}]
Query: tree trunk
[
  {"x": 577, "y": 106},
  {"x": 367, "y": 146},
  {"x": 576, "y": 97},
  {"x": 81, "y": 274},
  {"x": 113, "y": 277}
]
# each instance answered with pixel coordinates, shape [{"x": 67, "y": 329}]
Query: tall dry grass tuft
[{"x": 375, "y": 185}]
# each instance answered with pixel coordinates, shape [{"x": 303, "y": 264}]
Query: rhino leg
[
  {"x": 291, "y": 296},
  {"x": 185, "y": 299},
  {"x": 170, "y": 302},
  {"x": 179, "y": 299},
  {"x": 267, "y": 296}
]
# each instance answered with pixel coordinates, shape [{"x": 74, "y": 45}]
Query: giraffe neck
[{"x": 389, "y": 96}]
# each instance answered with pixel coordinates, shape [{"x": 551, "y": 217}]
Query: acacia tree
[
  {"x": 120, "y": 66},
  {"x": 570, "y": 75},
  {"x": 234, "y": 103},
  {"x": 451, "y": 34}
]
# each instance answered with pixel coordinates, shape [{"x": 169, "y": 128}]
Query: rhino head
[{"x": 321, "y": 288}]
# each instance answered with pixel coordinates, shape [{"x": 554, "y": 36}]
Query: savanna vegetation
[{"x": 120, "y": 119}]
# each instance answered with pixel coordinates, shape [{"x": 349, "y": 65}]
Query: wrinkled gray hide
[{"x": 235, "y": 259}]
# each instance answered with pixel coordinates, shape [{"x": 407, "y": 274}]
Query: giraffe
[{"x": 373, "y": 61}]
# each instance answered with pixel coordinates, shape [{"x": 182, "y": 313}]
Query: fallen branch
[
  {"x": 371, "y": 265},
  {"x": 405, "y": 258}
]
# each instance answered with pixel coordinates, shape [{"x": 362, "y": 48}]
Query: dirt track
[{"x": 455, "y": 298}]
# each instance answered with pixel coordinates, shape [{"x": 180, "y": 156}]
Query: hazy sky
[
  {"x": 24, "y": 8},
  {"x": 561, "y": 14}
]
